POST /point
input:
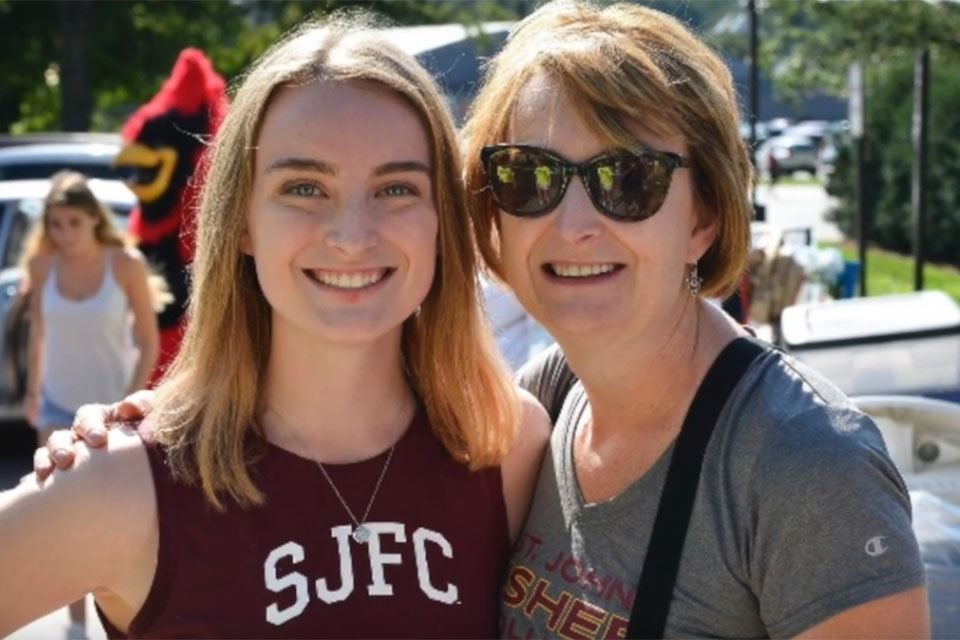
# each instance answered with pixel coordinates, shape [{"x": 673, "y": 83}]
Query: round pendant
[{"x": 361, "y": 534}]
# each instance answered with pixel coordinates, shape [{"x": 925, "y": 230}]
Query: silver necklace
[{"x": 361, "y": 533}]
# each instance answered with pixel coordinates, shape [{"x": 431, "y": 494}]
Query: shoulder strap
[
  {"x": 648, "y": 618},
  {"x": 566, "y": 383}
]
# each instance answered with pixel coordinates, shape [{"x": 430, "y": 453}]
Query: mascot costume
[{"x": 163, "y": 143}]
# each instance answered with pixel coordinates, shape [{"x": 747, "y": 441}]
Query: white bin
[{"x": 905, "y": 343}]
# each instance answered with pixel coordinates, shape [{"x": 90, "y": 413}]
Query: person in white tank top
[{"x": 93, "y": 327}]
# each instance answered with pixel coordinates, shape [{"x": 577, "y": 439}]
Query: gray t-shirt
[{"x": 799, "y": 515}]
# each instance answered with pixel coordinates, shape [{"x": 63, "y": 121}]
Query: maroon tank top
[{"x": 289, "y": 569}]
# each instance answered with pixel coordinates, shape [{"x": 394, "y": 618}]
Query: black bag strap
[{"x": 648, "y": 619}]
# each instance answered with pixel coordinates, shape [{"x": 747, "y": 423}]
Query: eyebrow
[
  {"x": 323, "y": 167},
  {"x": 302, "y": 163},
  {"x": 401, "y": 167}
]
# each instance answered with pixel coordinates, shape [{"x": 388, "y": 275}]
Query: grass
[{"x": 889, "y": 272}]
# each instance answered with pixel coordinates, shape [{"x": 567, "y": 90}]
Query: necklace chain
[{"x": 361, "y": 533}]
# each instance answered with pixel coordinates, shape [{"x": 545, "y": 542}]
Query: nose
[
  {"x": 353, "y": 230},
  {"x": 577, "y": 220}
]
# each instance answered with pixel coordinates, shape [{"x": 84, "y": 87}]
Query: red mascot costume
[{"x": 165, "y": 139}]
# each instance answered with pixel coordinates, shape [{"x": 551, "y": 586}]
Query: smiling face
[
  {"x": 71, "y": 229},
  {"x": 579, "y": 272},
  {"x": 342, "y": 224}
]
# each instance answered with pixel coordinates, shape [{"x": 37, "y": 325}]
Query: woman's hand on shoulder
[
  {"x": 89, "y": 429},
  {"x": 522, "y": 465},
  {"x": 76, "y": 532}
]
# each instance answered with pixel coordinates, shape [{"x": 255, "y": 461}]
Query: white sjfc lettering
[
  {"x": 378, "y": 560},
  {"x": 294, "y": 579},
  {"x": 342, "y": 535},
  {"x": 420, "y": 536},
  {"x": 379, "y": 587}
]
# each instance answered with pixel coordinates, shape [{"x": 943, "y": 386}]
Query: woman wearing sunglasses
[{"x": 697, "y": 484}]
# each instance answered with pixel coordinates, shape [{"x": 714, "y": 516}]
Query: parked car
[
  {"x": 761, "y": 132},
  {"x": 21, "y": 205},
  {"x": 36, "y": 161},
  {"x": 838, "y": 135},
  {"x": 816, "y": 130},
  {"x": 785, "y": 155},
  {"x": 59, "y": 137}
]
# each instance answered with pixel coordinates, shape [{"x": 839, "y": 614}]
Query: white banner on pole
[{"x": 855, "y": 108}]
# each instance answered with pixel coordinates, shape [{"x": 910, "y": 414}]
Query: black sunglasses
[{"x": 627, "y": 186}]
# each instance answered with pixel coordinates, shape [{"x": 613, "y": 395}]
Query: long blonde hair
[
  {"x": 623, "y": 64},
  {"x": 70, "y": 189},
  {"x": 210, "y": 399}
]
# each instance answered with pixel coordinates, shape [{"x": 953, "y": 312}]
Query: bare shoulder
[
  {"x": 38, "y": 266},
  {"x": 115, "y": 478},
  {"x": 128, "y": 260},
  {"x": 521, "y": 467},
  {"x": 535, "y": 426}
]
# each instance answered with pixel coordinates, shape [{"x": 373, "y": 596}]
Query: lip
[
  {"x": 548, "y": 273},
  {"x": 350, "y": 293}
]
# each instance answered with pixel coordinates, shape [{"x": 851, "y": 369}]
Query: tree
[
  {"x": 811, "y": 45},
  {"x": 57, "y": 75}
]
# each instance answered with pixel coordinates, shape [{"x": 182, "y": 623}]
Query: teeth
[
  {"x": 582, "y": 270},
  {"x": 356, "y": 280}
]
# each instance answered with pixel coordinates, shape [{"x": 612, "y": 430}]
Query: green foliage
[
  {"x": 809, "y": 44},
  {"x": 134, "y": 43},
  {"x": 890, "y": 156}
]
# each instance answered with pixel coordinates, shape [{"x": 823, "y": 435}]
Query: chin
[{"x": 583, "y": 322}]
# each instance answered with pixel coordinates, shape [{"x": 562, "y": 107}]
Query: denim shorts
[{"x": 52, "y": 414}]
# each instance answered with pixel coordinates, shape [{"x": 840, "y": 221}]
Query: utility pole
[
  {"x": 759, "y": 211},
  {"x": 921, "y": 99},
  {"x": 857, "y": 111}
]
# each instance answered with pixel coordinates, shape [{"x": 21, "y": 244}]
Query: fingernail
[
  {"x": 97, "y": 434},
  {"x": 60, "y": 455}
]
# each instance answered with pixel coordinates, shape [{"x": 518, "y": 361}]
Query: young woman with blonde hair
[{"x": 338, "y": 449}]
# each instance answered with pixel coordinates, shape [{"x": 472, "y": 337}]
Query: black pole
[
  {"x": 857, "y": 110},
  {"x": 758, "y": 211},
  {"x": 862, "y": 214},
  {"x": 921, "y": 81}
]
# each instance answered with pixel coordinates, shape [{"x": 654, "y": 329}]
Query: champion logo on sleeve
[{"x": 876, "y": 546}]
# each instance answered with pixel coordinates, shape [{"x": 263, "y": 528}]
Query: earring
[{"x": 694, "y": 281}]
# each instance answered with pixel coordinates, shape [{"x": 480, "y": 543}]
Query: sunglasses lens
[
  {"x": 525, "y": 182},
  {"x": 629, "y": 187}
]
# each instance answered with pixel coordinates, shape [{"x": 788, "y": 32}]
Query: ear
[
  {"x": 246, "y": 243},
  {"x": 705, "y": 226}
]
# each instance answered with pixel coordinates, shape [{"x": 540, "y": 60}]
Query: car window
[
  {"x": 19, "y": 228},
  {"x": 42, "y": 170}
]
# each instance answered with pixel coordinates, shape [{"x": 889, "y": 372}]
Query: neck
[
  {"x": 645, "y": 380},
  {"x": 83, "y": 255},
  {"x": 333, "y": 402}
]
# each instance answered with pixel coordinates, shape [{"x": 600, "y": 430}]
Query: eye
[
  {"x": 399, "y": 190},
  {"x": 302, "y": 190}
]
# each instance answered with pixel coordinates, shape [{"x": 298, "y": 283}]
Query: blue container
[{"x": 850, "y": 278}]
